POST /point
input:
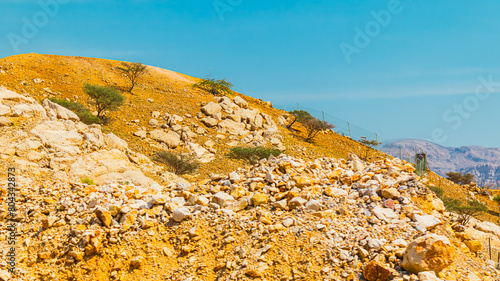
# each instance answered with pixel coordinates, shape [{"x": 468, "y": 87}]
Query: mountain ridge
[{"x": 482, "y": 162}]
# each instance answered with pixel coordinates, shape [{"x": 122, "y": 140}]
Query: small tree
[
  {"x": 314, "y": 126},
  {"x": 465, "y": 212},
  {"x": 104, "y": 98},
  {"x": 220, "y": 87},
  {"x": 300, "y": 116},
  {"x": 497, "y": 199},
  {"x": 134, "y": 72},
  {"x": 460, "y": 178},
  {"x": 369, "y": 144}
]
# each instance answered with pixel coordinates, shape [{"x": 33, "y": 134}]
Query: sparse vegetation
[
  {"x": 104, "y": 98},
  {"x": 314, "y": 126},
  {"x": 465, "y": 212},
  {"x": 179, "y": 164},
  {"x": 217, "y": 87},
  {"x": 300, "y": 116},
  {"x": 437, "y": 190},
  {"x": 87, "y": 181},
  {"x": 252, "y": 154},
  {"x": 460, "y": 178},
  {"x": 79, "y": 109},
  {"x": 134, "y": 72},
  {"x": 497, "y": 199},
  {"x": 369, "y": 144}
]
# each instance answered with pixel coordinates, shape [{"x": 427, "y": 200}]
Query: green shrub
[
  {"x": 460, "y": 178},
  {"x": 437, "y": 190},
  {"x": 252, "y": 154},
  {"x": 87, "y": 181},
  {"x": 465, "y": 212},
  {"x": 104, "y": 97},
  {"x": 299, "y": 116},
  {"x": 178, "y": 164},
  {"x": 216, "y": 87}
]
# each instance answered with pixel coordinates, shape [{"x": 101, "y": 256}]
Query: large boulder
[
  {"x": 247, "y": 115},
  {"x": 489, "y": 227},
  {"x": 59, "y": 111},
  {"x": 428, "y": 253},
  {"x": 211, "y": 109},
  {"x": 239, "y": 101},
  {"x": 427, "y": 221},
  {"x": 171, "y": 139},
  {"x": 114, "y": 142},
  {"x": 201, "y": 153},
  {"x": 232, "y": 127}
]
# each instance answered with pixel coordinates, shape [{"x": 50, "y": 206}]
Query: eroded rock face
[
  {"x": 428, "y": 253},
  {"x": 58, "y": 111}
]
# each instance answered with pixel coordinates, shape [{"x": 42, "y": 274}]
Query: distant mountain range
[{"x": 482, "y": 162}]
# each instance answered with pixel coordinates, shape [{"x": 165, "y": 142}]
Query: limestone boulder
[
  {"x": 114, "y": 142},
  {"x": 488, "y": 227},
  {"x": 232, "y": 127},
  {"x": 211, "y": 109},
  {"x": 428, "y": 253},
  {"x": 171, "y": 139}
]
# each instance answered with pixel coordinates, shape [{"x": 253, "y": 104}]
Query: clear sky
[{"x": 403, "y": 69}]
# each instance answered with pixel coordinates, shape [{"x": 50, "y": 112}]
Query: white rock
[
  {"x": 142, "y": 134},
  {"x": 60, "y": 111},
  {"x": 314, "y": 205},
  {"x": 427, "y": 221},
  {"x": 28, "y": 110},
  {"x": 240, "y": 102},
  {"x": 153, "y": 123},
  {"x": 489, "y": 227},
  {"x": 171, "y": 139},
  {"x": 385, "y": 214},
  {"x": 114, "y": 142},
  {"x": 181, "y": 214},
  {"x": 155, "y": 114},
  {"x": 223, "y": 199},
  {"x": 211, "y": 109},
  {"x": 201, "y": 154},
  {"x": 428, "y": 276},
  {"x": 232, "y": 127}
]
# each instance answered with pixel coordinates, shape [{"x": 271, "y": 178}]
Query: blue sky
[{"x": 414, "y": 69}]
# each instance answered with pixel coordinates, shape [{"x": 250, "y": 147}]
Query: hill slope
[{"x": 317, "y": 212}]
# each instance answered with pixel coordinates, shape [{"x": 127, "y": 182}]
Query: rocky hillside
[
  {"x": 482, "y": 162},
  {"x": 315, "y": 212}
]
